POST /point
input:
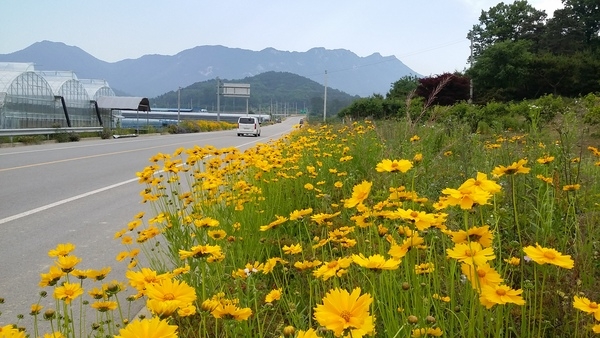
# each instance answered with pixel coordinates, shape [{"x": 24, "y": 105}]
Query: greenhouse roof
[
  {"x": 94, "y": 85},
  {"x": 17, "y": 66},
  {"x": 124, "y": 103},
  {"x": 7, "y": 77}
]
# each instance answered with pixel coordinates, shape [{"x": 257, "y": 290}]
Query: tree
[
  {"x": 364, "y": 107},
  {"x": 512, "y": 22},
  {"x": 403, "y": 87},
  {"x": 502, "y": 71},
  {"x": 587, "y": 12},
  {"x": 564, "y": 34},
  {"x": 444, "y": 90}
]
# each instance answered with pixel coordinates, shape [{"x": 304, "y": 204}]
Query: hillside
[{"x": 269, "y": 91}]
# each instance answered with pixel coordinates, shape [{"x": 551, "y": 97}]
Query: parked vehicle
[{"x": 248, "y": 125}]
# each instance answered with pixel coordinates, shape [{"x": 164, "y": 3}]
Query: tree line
[{"x": 518, "y": 53}]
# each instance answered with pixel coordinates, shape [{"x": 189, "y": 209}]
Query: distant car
[
  {"x": 301, "y": 122},
  {"x": 203, "y": 110},
  {"x": 248, "y": 125}
]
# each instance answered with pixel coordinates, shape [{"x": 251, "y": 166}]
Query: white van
[{"x": 248, "y": 125}]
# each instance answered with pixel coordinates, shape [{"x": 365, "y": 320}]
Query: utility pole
[
  {"x": 218, "y": 99},
  {"x": 471, "y": 66},
  {"x": 325, "y": 99},
  {"x": 178, "y": 104}
]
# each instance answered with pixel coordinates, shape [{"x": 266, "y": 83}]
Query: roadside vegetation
[{"x": 387, "y": 228}]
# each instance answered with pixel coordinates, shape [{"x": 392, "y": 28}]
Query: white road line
[{"x": 70, "y": 199}]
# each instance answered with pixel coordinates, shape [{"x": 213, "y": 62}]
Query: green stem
[{"x": 515, "y": 211}]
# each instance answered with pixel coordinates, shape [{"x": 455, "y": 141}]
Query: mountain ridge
[{"x": 154, "y": 74}]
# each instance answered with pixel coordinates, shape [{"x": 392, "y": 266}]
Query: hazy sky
[{"x": 429, "y": 36}]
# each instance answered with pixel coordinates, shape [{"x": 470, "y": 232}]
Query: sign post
[{"x": 235, "y": 90}]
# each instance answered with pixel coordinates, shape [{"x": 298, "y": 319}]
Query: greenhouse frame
[{"x": 31, "y": 99}]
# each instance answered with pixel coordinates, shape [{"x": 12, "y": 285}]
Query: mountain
[{"x": 153, "y": 75}]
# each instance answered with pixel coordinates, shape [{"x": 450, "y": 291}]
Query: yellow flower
[
  {"x": 9, "y": 331},
  {"x": 426, "y": 332},
  {"x": 97, "y": 293},
  {"x": 571, "y": 187},
  {"x": 35, "y": 309},
  {"x": 139, "y": 280},
  {"x": 201, "y": 251},
  {"x": 418, "y": 158},
  {"x": 230, "y": 311},
  {"x": 67, "y": 263},
  {"x": 587, "y": 306},
  {"x": 360, "y": 192},
  {"x": 307, "y": 264},
  {"x": 148, "y": 328},
  {"x": 424, "y": 268},
  {"x": 415, "y": 138},
  {"x": 273, "y": 295},
  {"x": 421, "y": 219},
  {"x": 170, "y": 290},
  {"x": 61, "y": 250},
  {"x": 445, "y": 299},
  {"x": 322, "y": 218},
  {"x": 299, "y": 214},
  {"x": 545, "y": 179},
  {"x": 513, "y": 260},
  {"x": 104, "y": 306},
  {"x": 206, "y": 222},
  {"x": 217, "y": 234},
  {"x": 481, "y": 275},
  {"x": 292, "y": 249},
  {"x": 68, "y": 292},
  {"x": 161, "y": 309},
  {"x": 395, "y": 165},
  {"x": 338, "y": 184},
  {"x": 482, "y": 235},
  {"x": 308, "y": 186},
  {"x": 310, "y": 333},
  {"x": 99, "y": 275},
  {"x": 466, "y": 197},
  {"x": 515, "y": 168},
  {"x": 280, "y": 220},
  {"x": 376, "y": 262},
  {"x": 52, "y": 277},
  {"x": 187, "y": 311},
  {"x": 51, "y": 335},
  {"x": 547, "y": 159},
  {"x": 471, "y": 253},
  {"x": 499, "y": 294},
  {"x": 334, "y": 268},
  {"x": 543, "y": 255},
  {"x": 481, "y": 182},
  {"x": 342, "y": 311}
]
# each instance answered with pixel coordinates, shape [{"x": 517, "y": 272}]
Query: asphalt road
[{"x": 81, "y": 193}]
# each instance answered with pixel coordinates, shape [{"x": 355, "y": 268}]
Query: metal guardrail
[{"x": 47, "y": 131}]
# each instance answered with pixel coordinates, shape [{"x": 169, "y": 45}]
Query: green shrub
[
  {"x": 106, "y": 133},
  {"x": 30, "y": 139}
]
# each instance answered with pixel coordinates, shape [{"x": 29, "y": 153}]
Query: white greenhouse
[{"x": 32, "y": 99}]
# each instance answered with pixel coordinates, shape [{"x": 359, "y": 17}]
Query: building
[{"x": 56, "y": 99}]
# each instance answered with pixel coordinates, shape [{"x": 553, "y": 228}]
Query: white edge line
[{"x": 70, "y": 199}]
